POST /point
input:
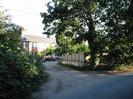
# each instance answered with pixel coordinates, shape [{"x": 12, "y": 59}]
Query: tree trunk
[
  {"x": 91, "y": 40},
  {"x": 92, "y": 55}
]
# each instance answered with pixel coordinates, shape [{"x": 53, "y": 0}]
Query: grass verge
[{"x": 117, "y": 68}]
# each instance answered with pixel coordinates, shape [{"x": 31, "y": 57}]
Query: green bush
[{"x": 20, "y": 73}]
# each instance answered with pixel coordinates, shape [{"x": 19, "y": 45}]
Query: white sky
[{"x": 26, "y": 13}]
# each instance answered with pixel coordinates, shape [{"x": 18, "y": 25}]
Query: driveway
[{"x": 65, "y": 83}]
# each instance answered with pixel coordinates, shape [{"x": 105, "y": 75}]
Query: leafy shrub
[
  {"x": 20, "y": 73},
  {"x": 20, "y": 76}
]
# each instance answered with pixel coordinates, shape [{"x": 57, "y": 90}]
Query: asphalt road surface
[{"x": 65, "y": 83}]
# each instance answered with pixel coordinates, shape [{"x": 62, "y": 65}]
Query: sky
[{"x": 26, "y": 13}]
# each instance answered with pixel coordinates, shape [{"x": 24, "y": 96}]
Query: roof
[{"x": 38, "y": 39}]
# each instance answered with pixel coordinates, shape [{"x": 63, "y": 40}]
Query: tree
[
  {"x": 63, "y": 15},
  {"x": 67, "y": 44},
  {"x": 3, "y": 19},
  {"x": 103, "y": 23},
  {"x": 50, "y": 50},
  {"x": 118, "y": 36}
]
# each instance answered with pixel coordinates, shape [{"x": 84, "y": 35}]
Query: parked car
[{"x": 51, "y": 58}]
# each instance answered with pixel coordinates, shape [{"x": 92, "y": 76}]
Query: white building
[{"x": 37, "y": 43}]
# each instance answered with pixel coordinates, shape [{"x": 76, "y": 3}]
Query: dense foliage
[
  {"x": 67, "y": 44},
  {"x": 105, "y": 24},
  {"x": 20, "y": 73},
  {"x": 73, "y": 18},
  {"x": 119, "y": 38}
]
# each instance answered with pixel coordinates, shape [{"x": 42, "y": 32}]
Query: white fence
[{"x": 77, "y": 59}]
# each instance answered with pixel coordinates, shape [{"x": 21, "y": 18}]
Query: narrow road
[{"x": 65, "y": 83}]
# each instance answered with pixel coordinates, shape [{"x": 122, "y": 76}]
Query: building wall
[
  {"x": 37, "y": 43},
  {"x": 40, "y": 46}
]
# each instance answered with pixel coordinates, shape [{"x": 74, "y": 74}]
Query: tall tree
[
  {"x": 100, "y": 22},
  {"x": 117, "y": 28},
  {"x": 61, "y": 15}
]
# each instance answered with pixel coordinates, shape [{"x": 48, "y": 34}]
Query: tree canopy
[{"x": 102, "y": 23}]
